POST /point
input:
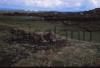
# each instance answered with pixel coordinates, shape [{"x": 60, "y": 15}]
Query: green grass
[
  {"x": 30, "y": 25},
  {"x": 78, "y": 54}
]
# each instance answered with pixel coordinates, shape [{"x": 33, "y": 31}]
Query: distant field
[
  {"x": 77, "y": 53},
  {"x": 28, "y": 24}
]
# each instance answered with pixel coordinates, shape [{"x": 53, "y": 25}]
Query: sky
[{"x": 50, "y": 5}]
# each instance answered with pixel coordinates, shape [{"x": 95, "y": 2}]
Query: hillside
[
  {"x": 74, "y": 53},
  {"x": 41, "y": 39}
]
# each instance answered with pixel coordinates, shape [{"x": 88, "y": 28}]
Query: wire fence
[
  {"x": 90, "y": 36},
  {"x": 80, "y": 35},
  {"x": 68, "y": 34}
]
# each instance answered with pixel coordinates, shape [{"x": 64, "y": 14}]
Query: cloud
[
  {"x": 96, "y": 3},
  {"x": 48, "y": 3},
  {"x": 52, "y": 4},
  {"x": 44, "y": 3}
]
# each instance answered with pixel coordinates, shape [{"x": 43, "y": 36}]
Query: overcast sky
[{"x": 50, "y": 5}]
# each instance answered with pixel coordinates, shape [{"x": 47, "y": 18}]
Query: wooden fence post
[
  {"x": 83, "y": 35},
  {"x": 71, "y": 34},
  {"x": 79, "y": 35},
  {"x": 55, "y": 31},
  {"x": 66, "y": 34},
  {"x": 90, "y": 36}
]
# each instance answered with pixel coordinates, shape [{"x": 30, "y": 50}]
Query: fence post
[
  {"x": 71, "y": 34},
  {"x": 55, "y": 29},
  {"x": 79, "y": 35},
  {"x": 66, "y": 34},
  {"x": 12, "y": 37},
  {"x": 83, "y": 35},
  {"x": 90, "y": 35}
]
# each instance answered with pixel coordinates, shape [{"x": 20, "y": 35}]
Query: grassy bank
[{"x": 75, "y": 53}]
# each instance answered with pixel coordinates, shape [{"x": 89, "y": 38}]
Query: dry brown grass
[{"x": 74, "y": 55}]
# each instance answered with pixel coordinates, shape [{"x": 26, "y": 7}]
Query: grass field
[
  {"x": 29, "y": 25},
  {"x": 79, "y": 53}
]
